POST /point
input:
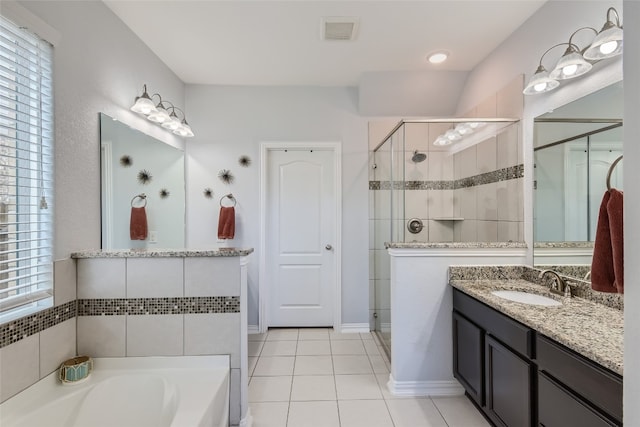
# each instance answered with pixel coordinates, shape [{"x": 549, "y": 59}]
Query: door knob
[{"x": 328, "y": 247}]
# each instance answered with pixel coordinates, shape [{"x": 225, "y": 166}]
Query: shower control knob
[{"x": 328, "y": 247}]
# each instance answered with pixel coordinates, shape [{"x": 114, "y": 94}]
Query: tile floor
[{"x": 321, "y": 378}]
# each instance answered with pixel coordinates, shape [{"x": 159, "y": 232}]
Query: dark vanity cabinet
[
  {"x": 492, "y": 361},
  {"x": 520, "y": 378}
]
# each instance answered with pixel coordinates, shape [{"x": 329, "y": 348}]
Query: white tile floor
[{"x": 320, "y": 378}]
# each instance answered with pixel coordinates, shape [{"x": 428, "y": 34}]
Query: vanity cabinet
[
  {"x": 492, "y": 361},
  {"x": 519, "y": 377}
]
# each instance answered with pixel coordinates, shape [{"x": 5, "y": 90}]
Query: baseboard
[
  {"x": 352, "y": 328},
  {"x": 424, "y": 388},
  {"x": 247, "y": 421},
  {"x": 253, "y": 329}
]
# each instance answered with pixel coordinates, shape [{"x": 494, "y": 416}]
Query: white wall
[
  {"x": 99, "y": 66},
  {"x": 232, "y": 121},
  {"x": 632, "y": 211}
]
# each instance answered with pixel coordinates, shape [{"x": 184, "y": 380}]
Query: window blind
[{"x": 26, "y": 169}]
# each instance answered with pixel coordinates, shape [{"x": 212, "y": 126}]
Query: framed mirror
[
  {"x": 575, "y": 148},
  {"x": 138, "y": 171}
]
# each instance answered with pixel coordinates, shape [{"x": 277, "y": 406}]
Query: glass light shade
[
  {"x": 452, "y": 135},
  {"x": 571, "y": 65},
  {"x": 607, "y": 44},
  {"x": 463, "y": 129},
  {"x": 160, "y": 116},
  {"x": 540, "y": 82},
  {"x": 144, "y": 105},
  {"x": 184, "y": 130},
  {"x": 173, "y": 123},
  {"x": 441, "y": 140}
]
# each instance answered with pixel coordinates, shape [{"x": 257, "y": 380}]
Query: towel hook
[
  {"x": 229, "y": 196},
  {"x": 140, "y": 196},
  {"x": 611, "y": 168}
]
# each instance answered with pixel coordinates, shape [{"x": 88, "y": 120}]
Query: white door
[{"x": 300, "y": 237}]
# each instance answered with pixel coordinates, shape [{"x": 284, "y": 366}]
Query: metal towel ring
[
  {"x": 230, "y": 196},
  {"x": 611, "y": 168},
  {"x": 140, "y": 196}
]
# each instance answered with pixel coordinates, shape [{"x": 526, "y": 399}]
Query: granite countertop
[
  {"x": 563, "y": 245},
  {"x": 161, "y": 253},
  {"x": 445, "y": 245},
  {"x": 587, "y": 327}
]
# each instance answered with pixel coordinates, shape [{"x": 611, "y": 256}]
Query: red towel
[
  {"x": 227, "y": 223},
  {"x": 607, "y": 267},
  {"x": 138, "y": 224}
]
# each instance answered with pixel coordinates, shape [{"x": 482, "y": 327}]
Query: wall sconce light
[
  {"x": 159, "y": 113},
  {"x": 575, "y": 62}
]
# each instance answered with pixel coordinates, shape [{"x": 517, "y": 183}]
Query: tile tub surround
[
  {"x": 166, "y": 303},
  {"x": 587, "y": 327}
]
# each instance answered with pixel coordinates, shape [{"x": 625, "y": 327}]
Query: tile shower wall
[
  {"x": 34, "y": 346},
  {"x": 161, "y": 307}
]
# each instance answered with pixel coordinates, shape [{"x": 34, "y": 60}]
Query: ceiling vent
[{"x": 339, "y": 28}]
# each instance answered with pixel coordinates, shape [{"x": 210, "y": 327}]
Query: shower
[{"x": 418, "y": 157}]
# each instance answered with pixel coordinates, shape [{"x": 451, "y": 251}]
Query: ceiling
[{"x": 279, "y": 42}]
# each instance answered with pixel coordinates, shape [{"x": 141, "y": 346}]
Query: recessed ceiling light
[{"x": 438, "y": 57}]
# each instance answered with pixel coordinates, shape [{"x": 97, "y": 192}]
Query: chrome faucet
[{"x": 558, "y": 285}]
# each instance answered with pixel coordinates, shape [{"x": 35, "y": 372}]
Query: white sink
[{"x": 527, "y": 298}]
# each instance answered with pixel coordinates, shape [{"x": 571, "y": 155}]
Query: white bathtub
[{"x": 129, "y": 392}]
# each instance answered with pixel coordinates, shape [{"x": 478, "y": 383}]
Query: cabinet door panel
[
  {"x": 508, "y": 386},
  {"x": 468, "y": 350},
  {"x": 557, "y": 407},
  {"x": 592, "y": 382}
]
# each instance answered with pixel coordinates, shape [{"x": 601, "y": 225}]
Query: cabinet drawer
[
  {"x": 598, "y": 386},
  {"x": 510, "y": 332},
  {"x": 558, "y": 407}
]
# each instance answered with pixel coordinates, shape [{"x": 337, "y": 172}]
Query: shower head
[{"x": 418, "y": 157}]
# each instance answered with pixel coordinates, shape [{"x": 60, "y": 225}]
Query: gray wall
[{"x": 632, "y": 211}]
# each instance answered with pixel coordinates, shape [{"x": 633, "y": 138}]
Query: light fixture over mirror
[
  {"x": 159, "y": 113},
  {"x": 575, "y": 62}
]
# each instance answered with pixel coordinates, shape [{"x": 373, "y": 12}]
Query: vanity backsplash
[{"x": 580, "y": 288}]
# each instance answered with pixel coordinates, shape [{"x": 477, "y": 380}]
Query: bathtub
[{"x": 129, "y": 392}]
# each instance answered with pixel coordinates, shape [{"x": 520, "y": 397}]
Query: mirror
[
  {"x": 575, "y": 146},
  {"x": 133, "y": 164}
]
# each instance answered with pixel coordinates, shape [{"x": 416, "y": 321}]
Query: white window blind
[{"x": 26, "y": 169}]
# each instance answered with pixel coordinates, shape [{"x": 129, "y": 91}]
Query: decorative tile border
[
  {"x": 505, "y": 174},
  {"x": 24, "y": 327},
  {"x": 147, "y": 306}
]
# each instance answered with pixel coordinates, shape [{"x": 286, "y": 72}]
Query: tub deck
[{"x": 129, "y": 391}]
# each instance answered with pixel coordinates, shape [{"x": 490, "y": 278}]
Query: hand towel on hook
[
  {"x": 138, "y": 229},
  {"x": 227, "y": 219}
]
